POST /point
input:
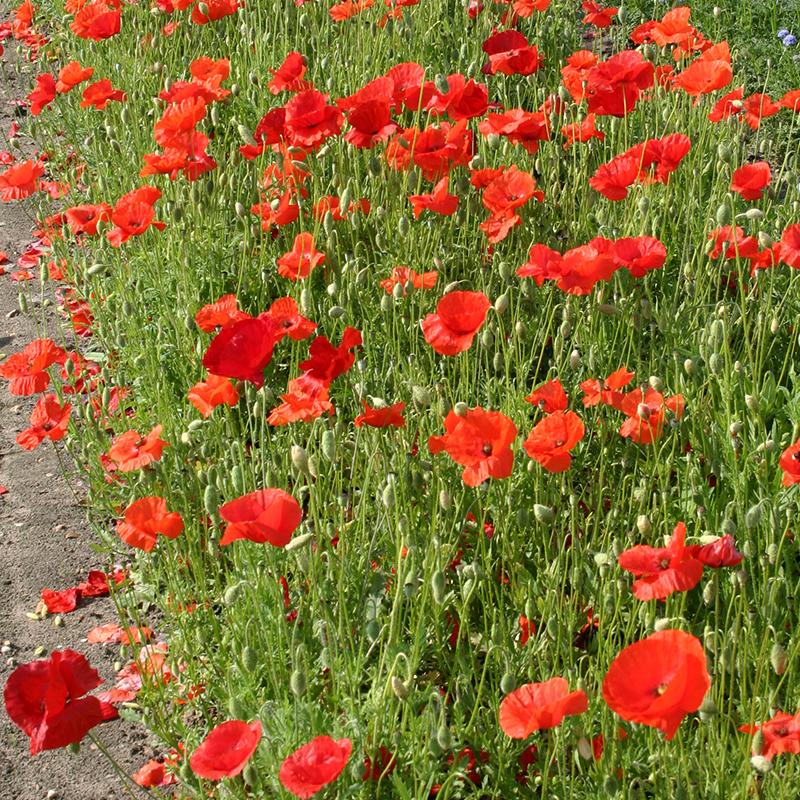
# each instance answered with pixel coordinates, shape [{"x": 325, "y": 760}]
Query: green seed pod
[
  {"x": 724, "y": 153},
  {"x": 438, "y": 586},
  {"x": 388, "y": 495},
  {"x": 299, "y": 459},
  {"x": 210, "y": 499},
  {"x": 508, "y": 683},
  {"x": 444, "y": 738},
  {"x": 487, "y": 338},
  {"x": 501, "y": 304},
  {"x": 445, "y": 500},
  {"x": 249, "y": 659},
  {"x": 752, "y": 519},
  {"x": 543, "y": 514},
  {"x": 386, "y": 303},
  {"x": 237, "y": 709},
  {"x": 723, "y": 215},
  {"x": 237, "y": 479},
  {"x": 336, "y": 312},
  {"x": 329, "y": 445},
  {"x": 233, "y": 593},
  {"x": 403, "y": 226},
  {"x": 297, "y": 682}
]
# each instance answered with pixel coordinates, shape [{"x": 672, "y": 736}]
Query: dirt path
[{"x": 44, "y": 543}]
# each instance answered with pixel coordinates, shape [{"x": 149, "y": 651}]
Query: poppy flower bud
[
  {"x": 543, "y": 514},
  {"x": 656, "y": 383},
  {"x": 759, "y": 763},
  {"x": 210, "y": 499},
  {"x": 249, "y": 658},
  {"x": 689, "y": 367},
  {"x": 297, "y": 682},
  {"x": 778, "y": 659},
  {"x": 399, "y": 688},
  {"x": 764, "y": 242},
  {"x": 403, "y": 225},
  {"x": 622, "y": 14},
  {"x": 445, "y": 500},
  {"x": 233, "y": 593},
  {"x": 643, "y": 411},
  {"x": 643, "y": 524},
  {"x": 724, "y": 153},
  {"x": 715, "y": 363},
  {"x": 460, "y": 409},
  {"x": 438, "y": 587},
  {"x": 723, "y": 215},
  {"x": 752, "y": 519},
  {"x": 710, "y": 592},
  {"x": 708, "y": 709},
  {"x": 574, "y": 359},
  {"x": 585, "y": 749},
  {"x": 754, "y": 214},
  {"x": 299, "y": 459},
  {"x": 508, "y": 683},
  {"x": 374, "y": 167},
  {"x": 521, "y": 329},
  {"x": 388, "y": 495}
]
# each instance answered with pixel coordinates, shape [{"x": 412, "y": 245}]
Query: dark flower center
[{"x": 487, "y": 449}]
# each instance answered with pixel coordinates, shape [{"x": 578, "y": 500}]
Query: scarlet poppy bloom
[
  {"x": 144, "y": 519},
  {"x": 43, "y": 94},
  {"x": 154, "y": 774},
  {"x": 658, "y": 681},
  {"x": 549, "y": 397},
  {"x": 327, "y": 362},
  {"x": 757, "y": 107},
  {"x": 574, "y": 75},
  {"x": 289, "y": 75},
  {"x": 267, "y": 515},
  {"x": 543, "y": 264},
  {"x": 614, "y": 178},
  {"x": 85, "y": 219},
  {"x": 791, "y": 100},
  {"x": 309, "y": 120},
  {"x": 217, "y": 9},
  {"x": 219, "y": 314},
  {"x": 71, "y": 75},
  {"x": 438, "y": 201},
  {"x": 535, "y": 706},
  {"x": 463, "y": 100},
  {"x": 790, "y": 246},
  {"x": 527, "y": 128},
  {"x": 226, "y": 750},
  {"x": 730, "y": 242},
  {"x": 581, "y": 268},
  {"x": 314, "y": 765},
  {"x": 370, "y": 123},
  {"x": 26, "y": 370},
  {"x": 606, "y": 391},
  {"x": 729, "y": 105},
  {"x": 133, "y": 214},
  {"x": 306, "y": 400},
  {"x": 480, "y": 441},
  {"x": 707, "y": 73},
  {"x": 781, "y": 734},
  {"x": 339, "y": 12},
  {"x": 286, "y": 315},
  {"x": 459, "y": 316},
  {"x": 404, "y": 275},
  {"x": 639, "y": 254},
  {"x": 597, "y": 15},
  {"x": 721, "y": 552},
  {"x": 96, "y": 21},
  {"x": 129, "y": 451},
  {"x": 100, "y": 94},
  {"x": 215, "y": 391},
  {"x": 510, "y": 53},
  {"x": 243, "y": 349},
  {"x": 582, "y": 131},
  {"x": 551, "y": 440},
  {"x": 661, "y": 157},
  {"x": 20, "y": 180},
  {"x": 750, "y": 180},
  {"x": 615, "y": 85},
  {"x": 390, "y": 416},
  {"x": 330, "y": 202},
  {"x": 45, "y": 699},
  {"x": 661, "y": 571},
  {"x": 790, "y": 463},
  {"x": 49, "y": 420},
  {"x": 179, "y": 120},
  {"x": 646, "y": 413},
  {"x": 301, "y": 259}
]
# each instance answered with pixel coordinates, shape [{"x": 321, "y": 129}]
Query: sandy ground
[{"x": 44, "y": 543}]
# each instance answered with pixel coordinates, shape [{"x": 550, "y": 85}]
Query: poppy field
[{"x": 432, "y": 369}]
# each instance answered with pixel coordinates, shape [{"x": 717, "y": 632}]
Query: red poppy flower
[
  {"x": 389, "y": 416},
  {"x": 286, "y": 315},
  {"x": 614, "y": 178},
  {"x": 729, "y": 105},
  {"x": 314, "y": 765},
  {"x": 535, "y": 706},
  {"x": 326, "y": 362},
  {"x": 85, "y": 219},
  {"x": 781, "y": 734},
  {"x": 71, "y": 75},
  {"x": 45, "y": 699},
  {"x": 790, "y": 461},
  {"x": 96, "y": 20},
  {"x": 43, "y": 94},
  {"x": 639, "y": 254},
  {"x": 510, "y": 53},
  {"x": 438, "y": 201},
  {"x": 750, "y": 180},
  {"x": 153, "y": 774},
  {"x": 463, "y": 100},
  {"x": 215, "y": 391},
  {"x": 20, "y": 180},
  {"x": 551, "y": 440},
  {"x": 100, "y": 94},
  {"x": 298, "y": 262},
  {"x": 707, "y": 73},
  {"x": 243, "y": 349},
  {"x": 581, "y": 131},
  {"x": 330, "y": 202},
  {"x": 597, "y": 15},
  {"x": 129, "y": 451},
  {"x": 219, "y": 314},
  {"x": 289, "y": 75},
  {"x": 26, "y": 370},
  {"x": 144, "y": 519},
  {"x": 267, "y": 515},
  {"x": 402, "y": 276},
  {"x": 721, "y": 552},
  {"x": 658, "y": 681},
  {"x": 133, "y": 214},
  {"x": 214, "y": 10},
  {"x": 480, "y": 441},
  {"x": 661, "y": 157},
  {"x": 646, "y": 413},
  {"x": 661, "y": 571},
  {"x": 581, "y": 268},
  {"x": 791, "y": 100},
  {"x": 49, "y": 420},
  {"x": 790, "y": 246},
  {"x": 370, "y": 123},
  {"x": 615, "y": 85},
  {"x": 178, "y": 121},
  {"x": 543, "y": 264},
  {"x": 606, "y": 391},
  {"x": 526, "y": 128},
  {"x": 226, "y": 750},
  {"x": 459, "y": 316},
  {"x": 309, "y": 121},
  {"x": 306, "y": 400},
  {"x": 549, "y": 397},
  {"x": 757, "y": 107}
]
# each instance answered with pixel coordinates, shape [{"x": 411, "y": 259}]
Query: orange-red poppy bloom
[
  {"x": 781, "y": 734},
  {"x": 552, "y": 438},
  {"x": 459, "y": 316},
  {"x": 20, "y": 180},
  {"x": 219, "y": 314},
  {"x": 49, "y": 420},
  {"x": 404, "y": 275},
  {"x": 314, "y": 765},
  {"x": 658, "y": 681},
  {"x": 480, "y": 441},
  {"x": 790, "y": 464},
  {"x": 214, "y": 391},
  {"x": 144, "y": 519},
  {"x": 265, "y": 516},
  {"x": 750, "y": 180},
  {"x": 646, "y": 413},
  {"x": 389, "y": 416},
  {"x": 100, "y": 94},
  {"x": 298, "y": 262},
  {"x": 790, "y": 246},
  {"x": 549, "y": 397},
  {"x": 708, "y": 72},
  {"x": 226, "y": 750},
  {"x": 289, "y": 75},
  {"x": 26, "y": 371},
  {"x": 71, "y": 75},
  {"x": 535, "y": 706},
  {"x": 129, "y": 451},
  {"x": 661, "y": 571},
  {"x": 438, "y": 201},
  {"x": 606, "y": 391}
]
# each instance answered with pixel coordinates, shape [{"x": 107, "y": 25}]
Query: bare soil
[{"x": 44, "y": 542}]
